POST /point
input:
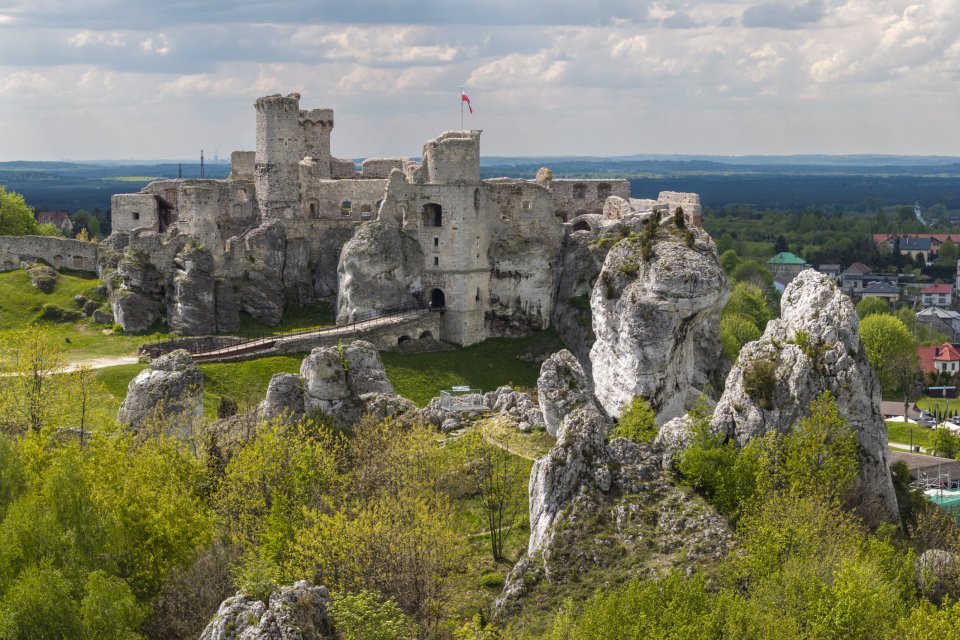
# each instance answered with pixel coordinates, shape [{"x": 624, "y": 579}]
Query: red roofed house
[
  {"x": 936, "y": 239},
  {"x": 936, "y": 295},
  {"x": 59, "y": 219},
  {"x": 945, "y": 357}
]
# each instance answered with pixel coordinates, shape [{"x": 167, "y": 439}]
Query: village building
[
  {"x": 945, "y": 321},
  {"x": 936, "y": 295},
  {"x": 890, "y": 293},
  {"x": 60, "y": 219},
  {"x": 786, "y": 265}
]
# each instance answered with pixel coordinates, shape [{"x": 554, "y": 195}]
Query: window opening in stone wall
[
  {"x": 135, "y": 215},
  {"x": 476, "y": 200},
  {"x": 525, "y": 205},
  {"x": 478, "y": 295},
  {"x": 604, "y": 190},
  {"x": 436, "y": 242},
  {"x": 581, "y": 225},
  {"x": 580, "y": 191},
  {"x": 437, "y": 299},
  {"x": 313, "y": 209},
  {"x": 432, "y": 215},
  {"x": 346, "y": 208},
  {"x": 436, "y": 261}
]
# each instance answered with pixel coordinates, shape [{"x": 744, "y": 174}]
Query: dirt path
[{"x": 101, "y": 363}]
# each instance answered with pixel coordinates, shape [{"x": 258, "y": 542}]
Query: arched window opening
[
  {"x": 432, "y": 215},
  {"x": 579, "y": 191},
  {"x": 604, "y": 190},
  {"x": 581, "y": 225},
  {"x": 403, "y": 339},
  {"x": 437, "y": 299},
  {"x": 426, "y": 335},
  {"x": 313, "y": 209}
]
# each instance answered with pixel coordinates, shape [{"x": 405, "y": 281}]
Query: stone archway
[{"x": 437, "y": 299}]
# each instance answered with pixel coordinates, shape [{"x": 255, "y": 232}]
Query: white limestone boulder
[
  {"x": 648, "y": 317},
  {"x": 814, "y": 347}
]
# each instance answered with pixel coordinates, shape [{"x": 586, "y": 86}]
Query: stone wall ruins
[{"x": 59, "y": 253}]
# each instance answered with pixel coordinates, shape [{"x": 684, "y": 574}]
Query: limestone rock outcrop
[
  {"x": 191, "y": 312},
  {"x": 578, "y": 458},
  {"x": 651, "y": 305},
  {"x": 596, "y": 506},
  {"x": 284, "y": 397},
  {"x": 379, "y": 266},
  {"x": 173, "y": 385},
  {"x": 516, "y": 407},
  {"x": 43, "y": 278},
  {"x": 345, "y": 382},
  {"x": 813, "y": 347},
  {"x": 938, "y": 574},
  {"x": 135, "y": 312},
  {"x": 295, "y": 612},
  {"x": 256, "y": 268},
  {"x": 562, "y": 387}
]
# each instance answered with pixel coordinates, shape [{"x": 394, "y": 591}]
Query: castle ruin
[{"x": 293, "y": 224}]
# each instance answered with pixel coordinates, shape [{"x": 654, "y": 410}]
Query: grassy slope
[
  {"x": 486, "y": 366},
  {"x": 20, "y": 303},
  {"x": 899, "y": 432}
]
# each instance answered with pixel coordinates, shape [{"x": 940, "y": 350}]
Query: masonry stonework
[{"x": 293, "y": 224}]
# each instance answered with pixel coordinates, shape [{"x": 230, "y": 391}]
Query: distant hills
[{"x": 846, "y": 182}]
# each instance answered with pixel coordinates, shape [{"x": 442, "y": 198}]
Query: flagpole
[{"x": 461, "y": 107}]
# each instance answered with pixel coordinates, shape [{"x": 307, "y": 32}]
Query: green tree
[
  {"x": 872, "y": 306},
  {"x": 366, "y": 616},
  {"x": 49, "y": 229},
  {"x": 16, "y": 218},
  {"x": 748, "y": 300},
  {"x": 729, "y": 260},
  {"x": 886, "y": 340},
  {"x": 944, "y": 444},
  {"x": 736, "y": 330},
  {"x": 754, "y": 272},
  {"x": 109, "y": 610},
  {"x": 947, "y": 256},
  {"x": 638, "y": 422},
  {"x": 40, "y": 604},
  {"x": 498, "y": 477}
]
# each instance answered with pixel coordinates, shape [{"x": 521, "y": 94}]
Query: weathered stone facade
[
  {"x": 293, "y": 224},
  {"x": 59, "y": 253}
]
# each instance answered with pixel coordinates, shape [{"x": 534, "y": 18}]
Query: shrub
[
  {"x": 492, "y": 580},
  {"x": 364, "y": 616},
  {"x": 760, "y": 382},
  {"x": 637, "y": 423},
  {"x": 54, "y": 313},
  {"x": 678, "y": 218}
]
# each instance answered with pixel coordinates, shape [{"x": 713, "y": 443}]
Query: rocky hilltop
[{"x": 813, "y": 347}]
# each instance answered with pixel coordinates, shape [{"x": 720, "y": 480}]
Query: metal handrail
[{"x": 358, "y": 320}]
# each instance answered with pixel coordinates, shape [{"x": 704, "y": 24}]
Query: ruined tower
[
  {"x": 316, "y": 126},
  {"x": 279, "y": 151},
  {"x": 453, "y": 234}
]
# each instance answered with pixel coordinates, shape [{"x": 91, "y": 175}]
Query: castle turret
[
  {"x": 316, "y": 126},
  {"x": 453, "y": 158},
  {"x": 279, "y": 151}
]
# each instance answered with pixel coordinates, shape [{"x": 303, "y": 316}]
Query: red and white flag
[{"x": 465, "y": 98}]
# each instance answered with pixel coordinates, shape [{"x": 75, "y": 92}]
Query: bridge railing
[{"x": 358, "y": 321}]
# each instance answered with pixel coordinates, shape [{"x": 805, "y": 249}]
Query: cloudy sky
[{"x": 148, "y": 79}]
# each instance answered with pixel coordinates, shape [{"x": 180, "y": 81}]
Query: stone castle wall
[
  {"x": 59, "y": 253},
  {"x": 572, "y": 198}
]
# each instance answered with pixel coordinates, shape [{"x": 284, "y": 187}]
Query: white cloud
[
  {"x": 158, "y": 45},
  {"x": 20, "y": 82},
  {"x": 94, "y": 38}
]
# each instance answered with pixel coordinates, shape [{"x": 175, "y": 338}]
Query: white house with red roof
[
  {"x": 945, "y": 357},
  {"x": 936, "y": 295}
]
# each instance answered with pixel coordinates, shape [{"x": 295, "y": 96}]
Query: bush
[
  {"x": 760, "y": 382},
  {"x": 54, "y": 313},
  {"x": 637, "y": 422},
  {"x": 492, "y": 580},
  {"x": 364, "y": 616}
]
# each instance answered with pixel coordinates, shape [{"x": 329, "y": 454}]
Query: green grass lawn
[
  {"x": 486, "y": 366},
  {"x": 82, "y": 340},
  {"x": 244, "y": 382},
  {"x": 900, "y": 432},
  {"x": 943, "y": 405},
  {"x": 318, "y": 314}
]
